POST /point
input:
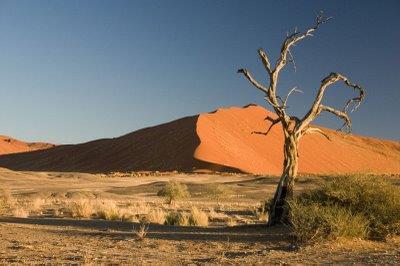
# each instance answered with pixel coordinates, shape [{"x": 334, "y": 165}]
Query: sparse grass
[
  {"x": 36, "y": 205},
  {"x": 261, "y": 212},
  {"x": 6, "y": 198},
  {"x": 141, "y": 232},
  {"x": 156, "y": 216},
  {"x": 174, "y": 190},
  {"x": 20, "y": 212},
  {"x": 198, "y": 217},
  {"x": 108, "y": 210},
  {"x": 81, "y": 208},
  {"x": 349, "y": 206},
  {"x": 217, "y": 192},
  {"x": 231, "y": 222}
]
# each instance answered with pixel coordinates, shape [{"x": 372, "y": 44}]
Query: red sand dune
[
  {"x": 217, "y": 141},
  {"x": 9, "y": 145}
]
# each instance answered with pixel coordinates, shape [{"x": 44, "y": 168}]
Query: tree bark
[{"x": 278, "y": 211}]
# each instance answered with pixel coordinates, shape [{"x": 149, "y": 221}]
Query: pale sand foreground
[
  {"x": 41, "y": 238},
  {"x": 113, "y": 243}
]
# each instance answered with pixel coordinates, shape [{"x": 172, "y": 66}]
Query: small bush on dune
[
  {"x": 343, "y": 203},
  {"x": 174, "y": 190}
]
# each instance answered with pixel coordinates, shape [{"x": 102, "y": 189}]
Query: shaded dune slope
[
  {"x": 164, "y": 147},
  {"x": 216, "y": 141}
]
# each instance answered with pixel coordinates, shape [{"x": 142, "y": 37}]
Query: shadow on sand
[{"x": 123, "y": 230}]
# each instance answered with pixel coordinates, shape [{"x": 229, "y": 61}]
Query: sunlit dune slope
[
  {"x": 226, "y": 138},
  {"x": 9, "y": 145}
]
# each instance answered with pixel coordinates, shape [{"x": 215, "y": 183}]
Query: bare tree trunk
[{"x": 278, "y": 211}]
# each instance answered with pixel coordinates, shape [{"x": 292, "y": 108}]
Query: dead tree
[{"x": 293, "y": 127}]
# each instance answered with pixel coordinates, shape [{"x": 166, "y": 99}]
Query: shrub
[
  {"x": 313, "y": 222},
  {"x": 370, "y": 201},
  {"x": 174, "y": 190},
  {"x": 177, "y": 218},
  {"x": 198, "y": 217}
]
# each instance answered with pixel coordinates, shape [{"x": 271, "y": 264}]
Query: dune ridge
[
  {"x": 217, "y": 141},
  {"x": 10, "y": 145}
]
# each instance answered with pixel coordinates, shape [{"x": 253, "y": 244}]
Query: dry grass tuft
[
  {"x": 141, "y": 232},
  {"x": 156, "y": 216},
  {"x": 6, "y": 198},
  {"x": 198, "y": 217},
  {"x": 177, "y": 218},
  {"x": 108, "y": 210},
  {"x": 81, "y": 208},
  {"x": 20, "y": 212}
]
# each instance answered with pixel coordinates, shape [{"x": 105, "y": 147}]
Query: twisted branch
[
  {"x": 273, "y": 123},
  {"x": 296, "y": 37},
  {"x": 317, "y": 107},
  {"x": 311, "y": 130},
  {"x": 249, "y": 76}
]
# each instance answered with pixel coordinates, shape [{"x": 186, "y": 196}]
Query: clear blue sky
[{"x": 73, "y": 71}]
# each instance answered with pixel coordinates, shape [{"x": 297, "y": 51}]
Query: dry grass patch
[
  {"x": 20, "y": 212},
  {"x": 108, "y": 210},
  {"x": 156, "y": 216},
  {"x": 198, "y": 217},
  {"x": 81, "y": 208},
  {"x": 177, "y": 218}
]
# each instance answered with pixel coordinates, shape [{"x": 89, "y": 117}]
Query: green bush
[
  {"x": 314, "y": 222},
  {"x": 174, "y": 190},
  {"x": 342, "y": 202}
]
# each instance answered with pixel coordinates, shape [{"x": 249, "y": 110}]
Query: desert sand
[
  {"x": 222, "y": 140},
  {"x": 45, "y": 237}
]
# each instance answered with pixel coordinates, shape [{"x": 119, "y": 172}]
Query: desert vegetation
[
  {"x": 323, "y": 209},
  {"x": 352, "y": 206},
  {"x": 174, "y": 190}
]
